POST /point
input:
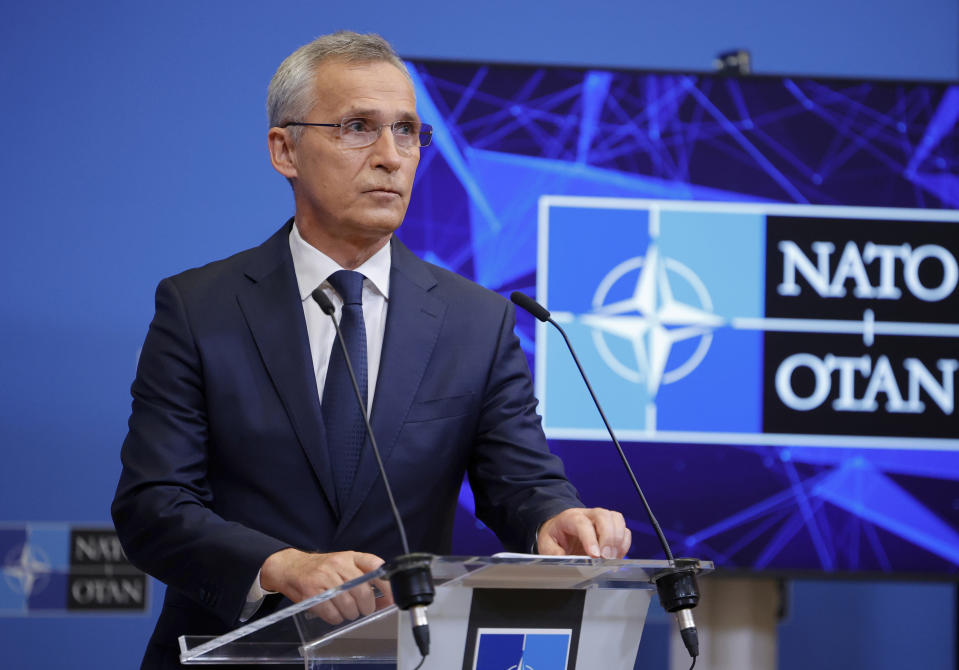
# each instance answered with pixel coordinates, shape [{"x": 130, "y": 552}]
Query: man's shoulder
[
  {"x": 458, "y": 288},
  {"x": 457, "y": 283},
  {"x": 237, "y": 268}
]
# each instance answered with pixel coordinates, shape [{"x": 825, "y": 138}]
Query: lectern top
[{"x": 287, "y": 635}]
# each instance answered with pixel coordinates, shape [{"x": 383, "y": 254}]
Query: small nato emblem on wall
[{"x": 57, "y": 569}]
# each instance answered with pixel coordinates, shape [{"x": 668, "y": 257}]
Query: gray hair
[{"x": 291, "y": 94}]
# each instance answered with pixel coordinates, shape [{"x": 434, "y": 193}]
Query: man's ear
[{"x": 282, "y": 152}]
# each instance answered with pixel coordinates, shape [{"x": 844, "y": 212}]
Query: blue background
[{"x": 133, "y": 143}]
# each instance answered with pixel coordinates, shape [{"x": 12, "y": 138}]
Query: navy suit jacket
[{"x": 226, "y": 460}]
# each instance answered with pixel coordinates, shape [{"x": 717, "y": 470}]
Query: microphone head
[
  {"x": 323, "y": 301},
  {"x": 530, "y": 305}
]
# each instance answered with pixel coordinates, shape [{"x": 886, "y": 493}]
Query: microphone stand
[
  {"x": 677, "y": 587},
  {"x": 410, "y": 576}
]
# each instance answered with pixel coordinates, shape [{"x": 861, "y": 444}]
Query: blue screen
[{"x": 759, "y": 274}]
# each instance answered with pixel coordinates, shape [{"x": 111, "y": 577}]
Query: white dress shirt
[{"x": 312, "y": 268}]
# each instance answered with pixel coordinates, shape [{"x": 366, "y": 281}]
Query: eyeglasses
[{"x": 357, "y": 132}]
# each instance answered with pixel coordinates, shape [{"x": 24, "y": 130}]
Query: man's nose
[{"x": 384, "y": 152}]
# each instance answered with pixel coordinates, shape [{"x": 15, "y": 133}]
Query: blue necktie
[{"x": 345, "y": 429}]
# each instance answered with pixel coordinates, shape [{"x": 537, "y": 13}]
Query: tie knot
[{"x": 349, "y": 284}]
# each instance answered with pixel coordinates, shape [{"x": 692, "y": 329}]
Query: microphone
[
  {"x": 677, "y": 588},
  {"x": 409, "y": 574}
]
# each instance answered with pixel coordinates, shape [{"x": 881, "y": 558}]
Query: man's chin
[
  {"x": 371, "y": 234},
  {"x": 383, "y": 222}
]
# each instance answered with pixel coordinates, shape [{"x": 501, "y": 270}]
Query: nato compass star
[
  {"x": 26, "y": 569},
  {"x": 652, "y": 320}
]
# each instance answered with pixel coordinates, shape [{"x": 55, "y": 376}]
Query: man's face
[{"x": 342, "y": 193}]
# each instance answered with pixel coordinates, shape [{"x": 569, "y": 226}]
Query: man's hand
[
  {"x": 299, "y": 575},
  {"x": 596, "y": 532}
]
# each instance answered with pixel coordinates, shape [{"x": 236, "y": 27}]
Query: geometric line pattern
[{"x": 505, "y": 135}]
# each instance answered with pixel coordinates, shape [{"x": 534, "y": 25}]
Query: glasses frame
[{"x": 425, "y": 128}]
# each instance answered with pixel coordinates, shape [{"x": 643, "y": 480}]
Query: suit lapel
[
  {"x": 413, "y": 323},
  {"x": 272, "y": 309}
]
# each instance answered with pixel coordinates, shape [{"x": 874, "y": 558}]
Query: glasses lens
[
  {"x": 405, "y": 133},
  {"x": 358, "y": 132}
]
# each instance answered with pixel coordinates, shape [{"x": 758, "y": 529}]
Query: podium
[{"x": 508, "y": 608}]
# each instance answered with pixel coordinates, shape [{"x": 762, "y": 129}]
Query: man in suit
[{"x": 238, "y": 479}]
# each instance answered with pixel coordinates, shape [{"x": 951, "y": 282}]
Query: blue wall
[{"x": 133, "y": 142}]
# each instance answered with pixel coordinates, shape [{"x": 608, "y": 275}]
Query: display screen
[{"x": 759, "y": 276}]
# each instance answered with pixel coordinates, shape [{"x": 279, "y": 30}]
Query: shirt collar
[{"x": 312, "y": 266}]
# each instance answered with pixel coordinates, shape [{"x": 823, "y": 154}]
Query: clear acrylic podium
[{"x": 612, "y": 597}]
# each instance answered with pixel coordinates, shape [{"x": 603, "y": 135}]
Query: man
[{"x": 238, "y": 476}]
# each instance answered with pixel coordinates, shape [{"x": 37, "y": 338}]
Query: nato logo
[
  {"x": 54, "y": 569},
  {"x": 644, "y": 296},
  {"x": 522, "y": 649},
  {"x": 749, "y": 323}
]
